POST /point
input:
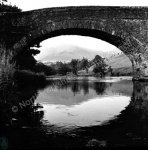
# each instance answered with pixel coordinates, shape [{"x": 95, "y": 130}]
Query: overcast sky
[
  {"x": 37, "y": 4},
  {"x": 90, "y": 43},
  {"x": 86, "y": 42}
]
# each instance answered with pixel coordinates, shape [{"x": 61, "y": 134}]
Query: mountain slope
[
  {"x": 65, "y": 53},
  {"x": 116, "y": 59},
  {"x": 119, "y": 62}
]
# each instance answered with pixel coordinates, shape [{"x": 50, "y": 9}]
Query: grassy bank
[
  {"x": 8, "y": 92},
  {"x": 7, "y": 68},
  {"x": 10, "y": 81}
]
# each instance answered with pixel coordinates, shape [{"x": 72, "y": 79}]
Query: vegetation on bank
[
  {"x": 83, "y": 67},
  {"x": 4, "y": 7},
  {"x": 11, "y": 77},
  {"x": 75, "y": 66},
  {"x": 7, "y": 85},
  {"x": 29, "y": 77},
  {"x": 7, "y": 67},
  {"x": 10, "y": 73},
  {"x": 122, "y": 71}
]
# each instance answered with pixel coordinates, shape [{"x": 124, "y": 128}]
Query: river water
[
  {"x": 85, "y": 102},
  {"x": 84, "y": 112}
]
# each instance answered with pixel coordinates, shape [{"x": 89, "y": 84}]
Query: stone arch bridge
[{"x": 124, "y": 27}]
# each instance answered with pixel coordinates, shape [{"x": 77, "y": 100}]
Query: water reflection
[
  {"x": 29, "y": 115},
  {"x": 100, "y": 87},
  {"x": 26, "y": 110},
  {"x": 93, "y": 112},
  {"x": 81, "y": 113},
  {"x": 140, "y": 99},
  {"x": 85, "y": 87},
  {"x": 84, "y": 103},
  {"x": 75, "y": 88}
]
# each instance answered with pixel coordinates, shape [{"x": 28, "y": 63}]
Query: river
[{"x": 84, "y": 112}]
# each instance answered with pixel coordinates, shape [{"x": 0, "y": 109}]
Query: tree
[
  {"x": 100, "y": 66},
  {"x": 8, "y": 7},
  {"x": 63, "y": 68},
  {"x": 84, "y": 64},
  {"x": 25, "y": 59},
  {"x": 48, "y": 70},
  {"x": 2, "y": 1},
  {"x": 74, "y": 65},
  {"x": 110, "y": 70},
  {"x": 97, "y": 59}
]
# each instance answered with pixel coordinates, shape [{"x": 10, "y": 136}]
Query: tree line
[
  {"x": 75, "y": 65},
  {"x": 5, "y": 7}
]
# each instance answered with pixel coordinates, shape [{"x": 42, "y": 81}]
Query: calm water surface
[
  {"x": 82, "y": 112},
  {"x": 85, "y": 101}
]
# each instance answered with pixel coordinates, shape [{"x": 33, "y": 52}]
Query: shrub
[
  {"x": 8, "y": 92},
  {"x": 29, "y": 77},
  {"x": 9, "y": 8},
  {"x": 7, "y": 67}
]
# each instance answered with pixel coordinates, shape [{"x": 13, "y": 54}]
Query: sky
[
  {"x": 93, "y": 44},
  {"x": 86, "y": 42},
  {"x": 37, "y": 4}
]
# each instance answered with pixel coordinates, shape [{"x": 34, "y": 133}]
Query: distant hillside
[
  {"x": 66, "y": 53},
  {"x": 119, "y": 62}
]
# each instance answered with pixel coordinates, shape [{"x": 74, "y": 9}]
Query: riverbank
[
  {"x": 26, "y": 77},
  {"x": 73, "y": 78},
  {"x": 140, "y": 79}
]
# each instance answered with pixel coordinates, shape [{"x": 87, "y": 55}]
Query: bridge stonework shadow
[{"x": 124, "y": 27}]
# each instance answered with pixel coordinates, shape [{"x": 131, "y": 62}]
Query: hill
[
  {"x": 116, "y": 59},
  {"x": 66, "y": 53},
  {"x": 120, "y": 64}
]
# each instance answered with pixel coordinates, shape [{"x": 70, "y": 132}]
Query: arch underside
[
  {"x": 114, "y": 40},
  {"x": 106, "y": 30}
]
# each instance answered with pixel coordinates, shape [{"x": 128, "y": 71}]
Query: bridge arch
[
  {"x": 118, "y": 32},
  {"x": 124, "y": 27},
  {"x": 106, "y": 30}
]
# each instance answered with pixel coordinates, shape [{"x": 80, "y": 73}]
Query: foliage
[
  {"x": 29, "y": 77},
  {"x": 7, "y": 68},
  {"x": 97, "y": 59},
  {"x": 110, "y": 69},
  {"x": 74, "y": 65},
  {"x": 47, "y": 70},
  {"x": 7, "y": 85},
  {"x": 63, "y": 68},
  {"x": 25, "y": 59},
  {"x": 8, "y": 8},
  {"x": 100, "y": 66},
  {"x": 84, "y": 64}
]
